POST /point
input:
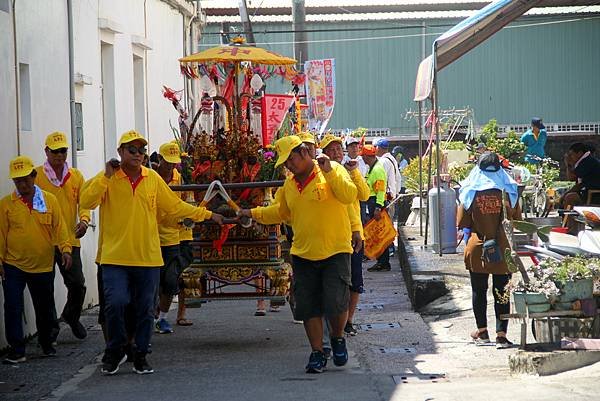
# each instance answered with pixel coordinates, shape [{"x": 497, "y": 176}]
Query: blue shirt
[{"x": 534, "y": 147}]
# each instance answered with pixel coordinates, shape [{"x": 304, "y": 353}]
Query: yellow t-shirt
[
  {"x": 129, "y": 211},
  {"x": 318, "y": 214},
  {"x": 28, "y": 237},
  {"x": 363, "y": 192},
  {"x": 68, "y": 199}
]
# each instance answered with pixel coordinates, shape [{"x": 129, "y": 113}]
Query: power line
[
  {"x": 358, "y": 29},
  {"x": 410, "y": 35}
]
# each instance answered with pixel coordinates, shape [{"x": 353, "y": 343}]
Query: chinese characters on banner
[
  {"x": 274, "y": 110},
  {"x": 320, "y": 92}
]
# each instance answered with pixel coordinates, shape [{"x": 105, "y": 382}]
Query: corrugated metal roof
[
  {"x": 220, "y": 4},
  {"x": 418, "y": 15}
]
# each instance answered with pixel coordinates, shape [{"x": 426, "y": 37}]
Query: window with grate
[
  {"x": 4, "y": 6},
  {"x": 79, "y": 126}
]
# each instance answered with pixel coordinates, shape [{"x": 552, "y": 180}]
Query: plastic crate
[{"x": 551, "y": 330}]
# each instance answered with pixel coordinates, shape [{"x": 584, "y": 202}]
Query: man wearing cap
[
  {"x": 353, "y": 149},
  {"x": 332, "y": 147},
  {"x": 376, "y": 180},
  {"x": 131, "y": 197},
  {"x": 64, "y": 182},
  {"x": 398, "y": 153},
  {"x": 168, "y": 156},
  {"x": 309, "y": 140},
  {"x": 535, "y": 140},
  {"x": 314, "y": 201},
  {"x": 31, "y": 226}
]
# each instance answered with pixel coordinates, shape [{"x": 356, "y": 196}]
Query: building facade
[
  {"x": 545, "y": 64},
  {"x": 124, "y": 51}
]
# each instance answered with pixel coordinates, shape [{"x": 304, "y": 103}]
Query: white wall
[
  {"x": 166, "y": 34},
  {"x": 42, "y": 39}
]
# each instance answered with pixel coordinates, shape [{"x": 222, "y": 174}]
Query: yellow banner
[{"x": 379, "y": 234}]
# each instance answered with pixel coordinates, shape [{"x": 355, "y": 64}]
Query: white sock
[{"x": 162, "y": 315}]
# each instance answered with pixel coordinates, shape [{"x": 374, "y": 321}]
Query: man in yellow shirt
[
  {"x": 30, "y": 226},
  {"x": 168, "y": 156},
  {"x": 332, "y": 147},
  {"x": 314, "y": 202},
  {"x": 131, "y": 197},
  {"x": 64, "y": 182}
]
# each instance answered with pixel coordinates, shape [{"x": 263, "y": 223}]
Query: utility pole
[
  {"x": 246, "y": 23},
  {"x": 300, "y": 37}
]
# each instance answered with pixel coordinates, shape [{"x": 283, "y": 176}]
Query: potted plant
[
  {"x": 554, "y": 284},
  {"x": 574, "y": 276},
  {"x": 536, "y": 295}
]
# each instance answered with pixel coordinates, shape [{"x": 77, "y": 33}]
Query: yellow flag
[{"x": 379, "y": 234}]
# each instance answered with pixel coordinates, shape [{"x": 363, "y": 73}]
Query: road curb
[
  {"x": 545, "y": 359},
  {"x": 422, "y": 289}
]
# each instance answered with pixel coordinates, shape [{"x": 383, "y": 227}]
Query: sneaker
[
  {"x": 327, "y": 353},
  {"x": 140, "y": 365},
  {"x": 163, "y": 327},
  {"x": 78, "y": 330},
  {"x": 129, "y": 352},
  {"x": 316, "y": 362},
  {"x": 14, "y": 358},
  {"x": 48, "y": 350},
  {"x": 340, "y": 352},
  {"x": 503, "y": 343},
  {"x": 54, "y": 332},
  {"x": 350, "y": 329},
  {"x": 112, "y": 361},
  {"x": 379, "y": 268},
  {"x": 480, "y": 338}
]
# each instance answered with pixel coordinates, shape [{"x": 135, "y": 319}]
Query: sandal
[
  {"x": 184, "y": 322},
  {"x": 260, "y": 312}
]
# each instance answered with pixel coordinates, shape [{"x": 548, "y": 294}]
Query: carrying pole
[{"x": 420, "y": 122}]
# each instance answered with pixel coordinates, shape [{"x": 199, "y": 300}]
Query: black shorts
[
  {"x": 172, "y": 268},
  {"x": 357, "y": 273},
  {"x": 321, "y": 288},
  {"x": 187, "y": 253}
]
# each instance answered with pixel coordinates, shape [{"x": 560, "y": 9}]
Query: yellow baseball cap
[
  {"x": 307, "y": 137},
  {"x": 57, "y": 140},
  {"x": 284, "y": 147},
  {"x": 170, "y": 152},
  {"x": 131, "y": 136},
  {"x": 20, "y": 166},
  {"x": 328, "y": 139}
]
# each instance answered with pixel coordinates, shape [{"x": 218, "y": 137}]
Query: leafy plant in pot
[{"x": 574, "y": 276}]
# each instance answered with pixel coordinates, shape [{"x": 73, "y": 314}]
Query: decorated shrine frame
[{"x": 247, "y": 263}]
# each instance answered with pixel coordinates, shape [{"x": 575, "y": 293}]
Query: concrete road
[{"x": 228, "y": 354}]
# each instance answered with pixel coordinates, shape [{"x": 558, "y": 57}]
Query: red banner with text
[{"x": 274, "y": 109}]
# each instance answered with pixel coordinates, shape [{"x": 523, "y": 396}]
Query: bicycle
[{"x": 535, "y": 197}]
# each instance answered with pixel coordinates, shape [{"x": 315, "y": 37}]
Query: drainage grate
[
  {"x": 371, "y": 307},
  {"x": 399, "y": 350},
  {"x": 6, "y": 387},
  {"x": 379, "y": 326},
  {"x": 408, "y": 378},
  {"x": 297, "y": 379}
]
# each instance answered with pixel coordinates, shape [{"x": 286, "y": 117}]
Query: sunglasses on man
[
  {"x": 59, "y": 150},
  {"x": 134, "y": 149}
]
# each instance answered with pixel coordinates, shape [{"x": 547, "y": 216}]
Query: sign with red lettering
[
  {"x": 320, "y": 92},
  {"x": 274, "y": 109}
]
